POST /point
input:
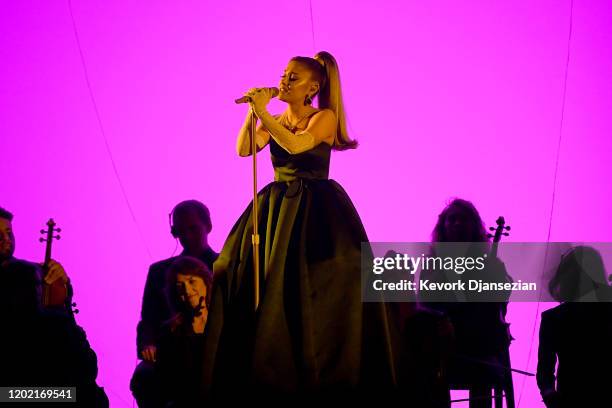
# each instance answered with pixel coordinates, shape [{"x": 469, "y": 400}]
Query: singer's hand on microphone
[{"x": 260, "y": 97}]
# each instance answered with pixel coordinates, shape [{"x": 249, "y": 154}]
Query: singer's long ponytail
[{"x": 325, "y": 71}]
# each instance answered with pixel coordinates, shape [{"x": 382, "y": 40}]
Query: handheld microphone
[{"x": 247, "y": 99}]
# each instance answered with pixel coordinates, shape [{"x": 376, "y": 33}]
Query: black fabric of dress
[{"x": 311, "y": 333}]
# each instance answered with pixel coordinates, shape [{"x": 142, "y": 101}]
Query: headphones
[
  {"x": 172, "y": 228},
  {"x": 198, "y": 206}
]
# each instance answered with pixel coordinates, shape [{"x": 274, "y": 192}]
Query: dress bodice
[{"x": 311, "y": 164}]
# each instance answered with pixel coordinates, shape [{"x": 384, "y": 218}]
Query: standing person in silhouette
[
  {"x": 190, "y": 223},
  {"x": 480, "y": 331},
  {"x": 311, "y": 334},
  {"x": 577, "y": 334}
]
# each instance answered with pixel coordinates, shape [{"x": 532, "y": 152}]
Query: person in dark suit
[
  {"x": 577, "y": 333},
  {"x": 190, "y": 224}
]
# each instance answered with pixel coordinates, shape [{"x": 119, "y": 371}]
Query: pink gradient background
[{"x": 447, "y": 99}]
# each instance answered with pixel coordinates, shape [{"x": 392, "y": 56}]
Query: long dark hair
[
  {"x": 324, "y": 70},
  {"x": 479, "y": 233}
]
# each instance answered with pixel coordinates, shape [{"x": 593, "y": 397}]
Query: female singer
[{"x": 311, "y": 333}]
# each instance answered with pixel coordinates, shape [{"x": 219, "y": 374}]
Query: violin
[
  {"x": 504, "y": 363},
  {"x": 499, "y": 232},
  {"x": 57, "y": 294}
]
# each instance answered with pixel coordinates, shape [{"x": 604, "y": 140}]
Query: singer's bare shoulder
[{"x": 323, "y": 125}]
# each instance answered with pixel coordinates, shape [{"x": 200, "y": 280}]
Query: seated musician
[
  {"x": 40, "y": 347},
  {"x": 182, "y": 340},
  {"x": 481, "y": 358},
  {"x": 8, "y": 263}
]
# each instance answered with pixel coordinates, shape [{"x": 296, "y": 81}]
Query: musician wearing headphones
[{"x": 190, "y": 224}]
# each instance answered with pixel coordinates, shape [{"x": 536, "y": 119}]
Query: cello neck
[{"x": 49, "y": 241}]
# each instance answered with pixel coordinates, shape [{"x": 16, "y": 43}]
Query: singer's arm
[
  {"x": 321, "y": 128},
  {"x": 243, "y": 144}
]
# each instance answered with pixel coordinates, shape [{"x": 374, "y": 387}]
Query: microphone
[{"x": 247, "y": 99}]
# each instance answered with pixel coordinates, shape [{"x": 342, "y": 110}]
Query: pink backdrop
[{"x": 447, "y": 99}]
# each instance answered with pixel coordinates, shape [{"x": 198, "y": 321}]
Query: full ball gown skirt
[{"x": 311, "y": 333}]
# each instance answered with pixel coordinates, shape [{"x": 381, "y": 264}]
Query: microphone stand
[{"x": 254, "y": 213}]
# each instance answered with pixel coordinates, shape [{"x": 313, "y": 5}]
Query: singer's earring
[{"x": 308, "y": 100}]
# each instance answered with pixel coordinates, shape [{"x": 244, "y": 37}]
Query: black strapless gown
[{"x": 311, "y": 332}]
